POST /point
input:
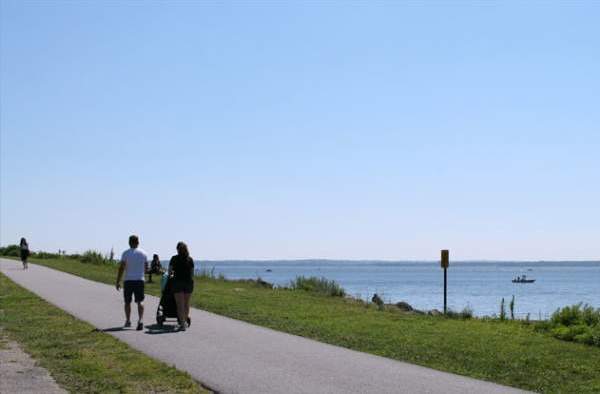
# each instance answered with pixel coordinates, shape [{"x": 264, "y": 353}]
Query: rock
[
  {"x": 263, "y": 283},
  {"x": 404, "y": 306},
  {"x": 434, "y": 312}
]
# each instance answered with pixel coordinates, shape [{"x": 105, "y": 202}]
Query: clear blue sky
[{"x": 296, "y": 130}]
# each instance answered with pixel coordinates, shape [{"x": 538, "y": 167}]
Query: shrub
[
  {"x": 318, "y": 285},
  {"x": 576, "y": 314},
  {"x": 585, "y": 337},
  {"x": 578, "y": 323},
  {"x": 566, "y": 316},
  {"x": 542, "y": 326},
  {"x": 10, "y": 250},
  {"x": 466, "y": 313},
  {"x": 210, "y": 274},
  {"x": 568, "y": 333},
  {"x": 590, "y": 316},
  {"x": 93, "y": 257},
  {"x": 596, "y": 335},
  {"x": 45, "y": 255}
]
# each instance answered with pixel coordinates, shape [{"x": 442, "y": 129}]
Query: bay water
[{"x": 477, "y": 285}]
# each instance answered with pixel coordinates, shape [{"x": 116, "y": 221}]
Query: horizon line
[{"x": 404, "y": 261}]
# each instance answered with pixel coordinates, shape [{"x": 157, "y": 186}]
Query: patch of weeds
[
  {"x": 94, "y": 257},
  {"x": 317, "y": 285}
]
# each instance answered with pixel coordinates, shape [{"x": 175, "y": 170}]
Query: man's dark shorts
[
  {"x": 183, "y": 286},
  {"x": 135, "y": 287}
]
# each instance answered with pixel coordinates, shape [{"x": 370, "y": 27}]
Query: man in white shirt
[{"x": 134, "y": 263}]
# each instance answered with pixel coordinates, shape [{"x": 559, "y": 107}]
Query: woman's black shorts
[
  {"x": 24, "y": 254},
  {"x": 180, "y": 286}
]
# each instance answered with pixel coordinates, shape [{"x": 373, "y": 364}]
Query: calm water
[{"x": 479, "y": 285}]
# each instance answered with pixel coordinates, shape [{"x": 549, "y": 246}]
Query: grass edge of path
[{"x": 79, "y": 357}]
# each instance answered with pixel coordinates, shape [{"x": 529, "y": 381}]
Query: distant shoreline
[{"x": 367, "y": 261}]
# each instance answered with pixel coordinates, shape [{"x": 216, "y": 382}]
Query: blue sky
[{"x": 380, "y": 130}]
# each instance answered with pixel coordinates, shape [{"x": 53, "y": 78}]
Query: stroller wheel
[{"x": 160, "y": 320}]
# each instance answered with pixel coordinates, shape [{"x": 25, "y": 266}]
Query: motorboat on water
[{"x": 522, "y": 279}]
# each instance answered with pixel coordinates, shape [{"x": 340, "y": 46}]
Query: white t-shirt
[{"x": 135, "y": 260}]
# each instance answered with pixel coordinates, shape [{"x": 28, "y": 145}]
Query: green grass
[
  {"x": 507, "y": 352},
  {"x": 79, "y": 358}
]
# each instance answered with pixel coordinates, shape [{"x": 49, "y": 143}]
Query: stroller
[{"x": 167, "y": 308}]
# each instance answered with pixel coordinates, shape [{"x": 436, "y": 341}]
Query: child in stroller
[{"x": 167, "y": 308}]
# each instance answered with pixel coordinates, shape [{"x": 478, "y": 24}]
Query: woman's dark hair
[
  {"x": 154, "y": 257},
  {"x": 23, "y": 241},
  {"x": 182, "y": 250}
]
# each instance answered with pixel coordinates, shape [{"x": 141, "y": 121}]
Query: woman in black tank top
[{"x": 182, "y": 269}]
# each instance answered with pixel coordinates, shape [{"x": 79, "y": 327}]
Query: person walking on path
[
  {"x": 182, "y": 268},
  {"x": 24, "y": 252},
  {"x": 134, "y": 263}
]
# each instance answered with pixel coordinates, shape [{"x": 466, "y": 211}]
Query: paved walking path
[{"x": 232, "y": 356}]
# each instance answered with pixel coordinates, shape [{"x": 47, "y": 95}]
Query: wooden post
[
  {"x": 445, "y": 290},
  {"x": 445, "y": 261}
]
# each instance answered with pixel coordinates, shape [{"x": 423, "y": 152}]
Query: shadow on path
[
  {"x": 155, "y": 329},
  {"x": 111, "y": 329}
]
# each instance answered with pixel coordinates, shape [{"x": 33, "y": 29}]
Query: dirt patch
[{"x": 19, "y": 374}]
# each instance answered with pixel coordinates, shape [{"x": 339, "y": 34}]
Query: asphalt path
[{"x": 231, "y": 356}]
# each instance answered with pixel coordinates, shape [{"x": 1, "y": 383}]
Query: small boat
[
  {"x": 269, "y": 270},
  {"x": 522, "y": 279}
]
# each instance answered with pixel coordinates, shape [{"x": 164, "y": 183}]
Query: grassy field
[
  {"x": 508, "y": 352},
  {"x": 79, "y": 358}
]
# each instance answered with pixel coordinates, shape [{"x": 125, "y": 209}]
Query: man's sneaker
[
  {"x": 140, "y": 326},
  {"x": 127, "y": 324}
]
